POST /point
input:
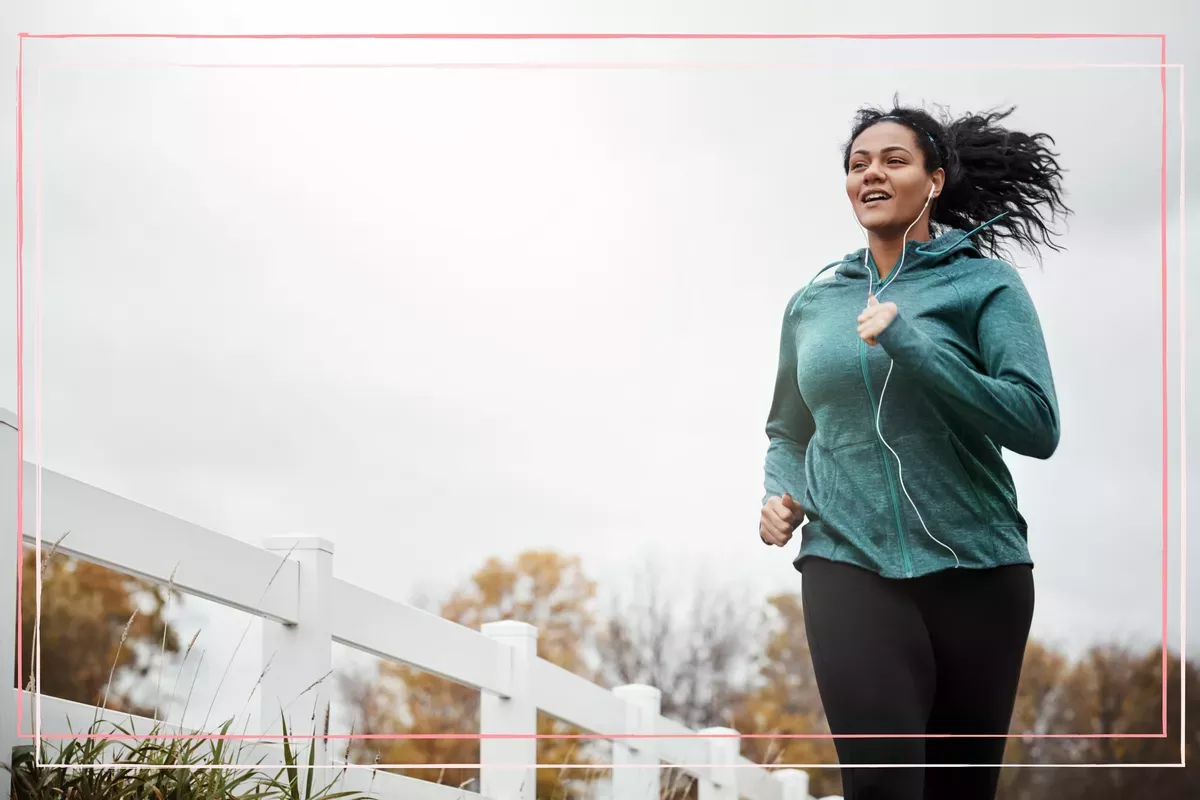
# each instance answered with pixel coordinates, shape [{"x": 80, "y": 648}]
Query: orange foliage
[
  {"x": 541, "y": 588},
  {"x": 85, "y": 609}
]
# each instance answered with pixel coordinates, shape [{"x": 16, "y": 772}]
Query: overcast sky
[{"x": 436, "y": 315}]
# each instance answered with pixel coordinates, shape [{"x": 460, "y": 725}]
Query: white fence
[{"x": 289, "y": 583}]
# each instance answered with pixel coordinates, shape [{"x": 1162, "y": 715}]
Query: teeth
[{"x": 875, "y": 196}]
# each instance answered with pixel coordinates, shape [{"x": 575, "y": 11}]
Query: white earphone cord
[{"x": 879, "y": 410}]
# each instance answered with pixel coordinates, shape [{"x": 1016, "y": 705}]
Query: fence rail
[{"x": 289, "y": 583}]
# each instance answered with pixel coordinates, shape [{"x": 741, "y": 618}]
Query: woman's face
[{"x": 886, "y": 161}]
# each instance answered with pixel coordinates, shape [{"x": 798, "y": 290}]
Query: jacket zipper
[{"x": 887, "y": 464}]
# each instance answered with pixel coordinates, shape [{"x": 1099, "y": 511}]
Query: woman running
[{"x": 901, "y": 379}]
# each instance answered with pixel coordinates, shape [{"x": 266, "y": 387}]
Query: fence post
[
  {"x": 635, "y": 774},
  {"x": 300, "y": 656},
  {"x": 9, "y": 564},
  {"x": 507, "y": 770},
  {"x": 795, "y": 784},
  {"x": 723, "y": 752}
]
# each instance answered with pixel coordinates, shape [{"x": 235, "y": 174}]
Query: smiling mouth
[{"x": 875, "y": 198}]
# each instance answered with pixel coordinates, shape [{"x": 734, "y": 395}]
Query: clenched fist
[
  {"x": 875, "y": 319},
  {"x": 779, "y": 519}
]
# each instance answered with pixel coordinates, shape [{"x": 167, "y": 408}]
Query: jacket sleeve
[
  {"x": 790, "y": 424},
  {"x": 1013, "y": 400}
]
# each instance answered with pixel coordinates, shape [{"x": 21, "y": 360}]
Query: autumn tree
[
  {"x": 1113, "y": 691},
  {"x": 542, "y": 588},
  {"x": 89, "y": 631}
]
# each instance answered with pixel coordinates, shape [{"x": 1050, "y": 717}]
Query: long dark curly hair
[{"x": 989, "y": 170}]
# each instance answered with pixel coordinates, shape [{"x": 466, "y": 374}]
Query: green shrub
[{"x": 147, "y": 768}]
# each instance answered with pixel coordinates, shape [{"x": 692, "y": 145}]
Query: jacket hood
[{"x": 951, "y": 245}]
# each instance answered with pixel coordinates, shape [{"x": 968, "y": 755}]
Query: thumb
[
  {"x": 789, "y": 501},
  {"x": 871, "y": 300}
]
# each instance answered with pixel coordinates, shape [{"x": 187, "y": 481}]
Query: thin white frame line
[
  {"x": 1183, "y": 462},
  {"x": 36, "y": 639},
  {"x": 1183, "y": 484}
]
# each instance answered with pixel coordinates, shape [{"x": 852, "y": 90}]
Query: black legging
[{"x": 936, "y": 654}]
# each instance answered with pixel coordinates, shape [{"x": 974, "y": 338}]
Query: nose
[{"x": 872, "y": 174}]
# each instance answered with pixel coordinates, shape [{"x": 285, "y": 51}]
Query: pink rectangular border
[{"x": 592, "y": 36}]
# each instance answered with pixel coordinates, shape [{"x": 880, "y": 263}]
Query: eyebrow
[{"x": 887, "y": 149}]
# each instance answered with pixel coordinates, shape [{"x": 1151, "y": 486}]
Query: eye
[{"x": 896, "y": 161}]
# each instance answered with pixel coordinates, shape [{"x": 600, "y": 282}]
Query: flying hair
[{"x": 990, "y": 170}]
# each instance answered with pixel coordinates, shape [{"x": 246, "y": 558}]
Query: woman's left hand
[{"x": 875, "y": 319}]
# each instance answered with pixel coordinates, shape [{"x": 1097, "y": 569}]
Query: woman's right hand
[{"x": 779, "y": 519}]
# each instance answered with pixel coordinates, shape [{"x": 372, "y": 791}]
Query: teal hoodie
[{"x": 971, "y": 377}]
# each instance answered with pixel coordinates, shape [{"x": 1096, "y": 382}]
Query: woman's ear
[{"x": 939, "y": 181}]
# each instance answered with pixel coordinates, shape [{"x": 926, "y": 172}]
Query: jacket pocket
[
  {"x": 822, "y": 477},
  {"x": 849, "y": 495},
  {"x": 966, "y": 475},
  {"x": 995, "y": 504},
  {"x": 935, "y": 479}
]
